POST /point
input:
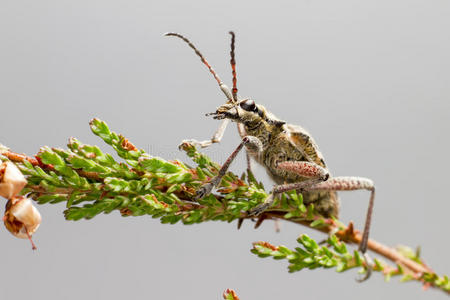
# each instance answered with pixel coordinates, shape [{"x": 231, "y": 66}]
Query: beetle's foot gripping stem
[
  {"x": 216, "y": 138},
  {"x": 204, "y": 190},
  {"x": 261, "y": 207},
  {"x": 368, "y": 266},
  {"x": 201, "y": 144}
]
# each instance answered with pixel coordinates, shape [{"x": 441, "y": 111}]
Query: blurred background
[{"x": 368, "y": 79}]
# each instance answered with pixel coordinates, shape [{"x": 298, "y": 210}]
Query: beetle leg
[
  {"x": 216, "y": 138},
  {"x": 332, "y": 184},
  {"x": 310, "y": 170},
  {"x": 249, "y": 141},
  {"x": 352, "y": 184}
]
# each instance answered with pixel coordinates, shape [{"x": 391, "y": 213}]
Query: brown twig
[{"x": 36, "y": 161}]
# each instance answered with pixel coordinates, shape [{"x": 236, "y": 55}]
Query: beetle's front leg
[
  {"x": 310, "y": 170},
  {"x": 250, "y": 142},
  {"x": 216, "y": 138}
]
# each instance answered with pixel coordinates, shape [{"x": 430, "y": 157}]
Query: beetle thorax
[{"x": 263, "y": 131}]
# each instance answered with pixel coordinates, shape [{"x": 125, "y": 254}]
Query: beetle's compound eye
[{"x": 248, "y": 105}]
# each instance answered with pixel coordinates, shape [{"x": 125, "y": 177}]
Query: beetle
[{"x": 288, "y": 152}]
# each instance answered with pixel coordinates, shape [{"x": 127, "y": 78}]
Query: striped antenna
[
  {"x": 233, "y": 67},
  {"x": 202, "y": 58}
]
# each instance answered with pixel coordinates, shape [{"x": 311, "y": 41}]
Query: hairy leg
[
  {"x": 310, "y": 170},
  {"x": 342, "y": 184},
  {"x": 351, "y": 184}
]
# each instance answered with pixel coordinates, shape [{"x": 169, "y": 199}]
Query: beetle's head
[{"x": 246, "y": 112}]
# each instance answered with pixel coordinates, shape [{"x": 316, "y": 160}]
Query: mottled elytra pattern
[{"x": 287, "y": 152}]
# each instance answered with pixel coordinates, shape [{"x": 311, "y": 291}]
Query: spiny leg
[
  {"x": 248, "y": 141},
  {"x": 352, "y": 184},
  {"x": 322, "y": 184},
  {"x": 303, "y": 168}
]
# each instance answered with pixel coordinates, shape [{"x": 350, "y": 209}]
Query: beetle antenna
[
  {"x": 233, "y": 67},
  {"x": 202, "y": 58}
]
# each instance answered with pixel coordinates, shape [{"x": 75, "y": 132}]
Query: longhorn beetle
[{"x": 288, "y": 153}]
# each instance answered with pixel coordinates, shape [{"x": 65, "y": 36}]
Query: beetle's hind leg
[
  {"x": 310, "y": 170},
  {"x": 352, "y": 184},
  {"x": 320, "y": 183}
]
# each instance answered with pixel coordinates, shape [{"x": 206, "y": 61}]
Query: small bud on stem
[
  {"x": 21, "y": 218},
  {"x": 12, "y": 180}
]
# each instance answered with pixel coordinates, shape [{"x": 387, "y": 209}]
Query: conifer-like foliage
[{"x": 92, "y": 182}]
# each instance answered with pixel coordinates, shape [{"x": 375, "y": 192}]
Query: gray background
[{"x": 369, "y": 79}]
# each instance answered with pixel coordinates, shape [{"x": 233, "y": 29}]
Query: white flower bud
[
  {"x": 21, "y": 218},
  {"x": 12, "y": 180}
]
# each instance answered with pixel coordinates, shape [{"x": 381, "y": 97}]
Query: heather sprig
[{"x": 92, "y": 182}]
